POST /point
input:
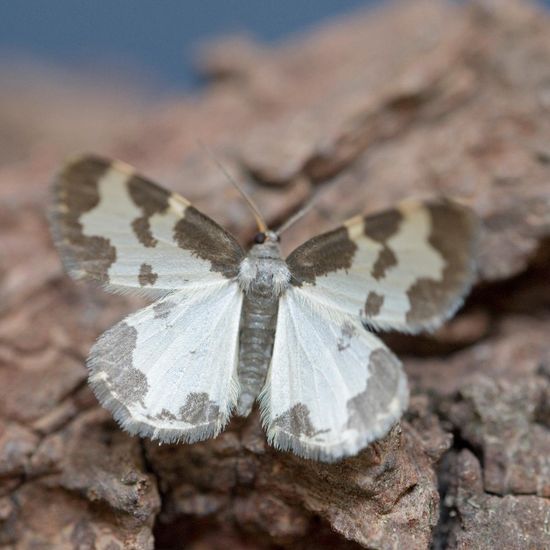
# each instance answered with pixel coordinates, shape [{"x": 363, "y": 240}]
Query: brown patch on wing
[
  {"x": 382, "y": 387},
  {"x": 347, "y": 333},
  {"x": 151, "y": 199},
  {"x": 453, "y": 234},
  {"x": 320, "y": 255},
  {"x": 373, "y": 304},
  {"x": 204, "y": 238},
  {"x": 163, "y": 309},
  {"x": 381, "y": 227},
  {"x": 386, "y": 259},
  {"x": 112, "y": 355},
  {"x": 165, "y": 414},
  {"x": 76, "y": 192},
  {"x": 146, "y": 275},
  {"x": 199, "y": 409},
  {"x": 296, "y": 422}
]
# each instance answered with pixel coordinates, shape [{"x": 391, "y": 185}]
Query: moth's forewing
[
  {"x": 406, "y": 269},
  {"x": 116, "y": 227}
]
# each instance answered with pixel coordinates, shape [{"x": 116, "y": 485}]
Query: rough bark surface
[{"x": 413, "y": 99}]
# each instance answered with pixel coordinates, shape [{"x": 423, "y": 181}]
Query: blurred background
[
  {"x": 77, "y": 75},
  {"x": 146, "y": 39}
]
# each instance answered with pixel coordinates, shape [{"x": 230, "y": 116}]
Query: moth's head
[
  {"x": 266, "y": 245},
  {"x": 266, "y": 237}
]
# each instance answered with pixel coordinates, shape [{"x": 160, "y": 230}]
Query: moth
[{"x": 229, "y": 328}]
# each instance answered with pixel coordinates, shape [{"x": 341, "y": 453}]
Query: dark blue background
[{"x": 153, "y": 37}]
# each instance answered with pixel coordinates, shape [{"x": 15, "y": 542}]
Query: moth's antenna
[
  {"x": 297, "y": 216},
  {"x": 262, "y": 225}
]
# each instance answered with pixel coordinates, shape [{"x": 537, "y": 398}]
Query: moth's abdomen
[{"x": 257, "y": 333}]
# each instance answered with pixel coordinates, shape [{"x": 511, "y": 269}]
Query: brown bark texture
[{"x": 414, "y": 99}]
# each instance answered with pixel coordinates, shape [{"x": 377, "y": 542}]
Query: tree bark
[{"x": 417, "y": 99}]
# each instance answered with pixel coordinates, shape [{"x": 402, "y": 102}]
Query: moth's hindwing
[
  {"x": 406, "y": 269},
  {"x": 332, "y": 387},
  {"x": 169, "y": 371},
  {"x": 113, "y": 226}
]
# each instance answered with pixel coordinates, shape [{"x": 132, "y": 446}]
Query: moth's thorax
[{"x": 264, "y": 270}]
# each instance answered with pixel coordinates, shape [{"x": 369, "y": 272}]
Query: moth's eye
[{"x": 259, "y": 238}]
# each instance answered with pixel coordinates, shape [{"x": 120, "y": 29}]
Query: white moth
[{"x": 231, "y": 327}]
